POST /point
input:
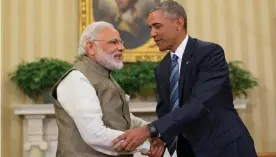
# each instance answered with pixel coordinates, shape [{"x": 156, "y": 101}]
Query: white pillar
[{"x": 34, "y": 144}]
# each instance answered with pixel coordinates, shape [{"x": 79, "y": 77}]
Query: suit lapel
[
  {"x": 186, "y": 58},
  {"x": 165, "y": 74}
]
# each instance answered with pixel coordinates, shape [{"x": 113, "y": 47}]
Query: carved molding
[
  {"x": 135, "y": 107},
  {"x": 42, "y": 145},
  {"x": 84, "y": 19},
  {"x": 48, "y": 109},
  {"x": 35, "y": 132}
]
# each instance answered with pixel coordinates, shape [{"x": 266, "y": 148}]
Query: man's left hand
[
  {"x": 132, "y": 138},
  {"x": 157, "y": 148}
]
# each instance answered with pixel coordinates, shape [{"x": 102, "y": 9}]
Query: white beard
[{"x": 108, "y": 60}]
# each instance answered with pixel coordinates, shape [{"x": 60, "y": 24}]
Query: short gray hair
[
  {"x": 90, "y": 33},
  {"x": 172, "y": 9}
]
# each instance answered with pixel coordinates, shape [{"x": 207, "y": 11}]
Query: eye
[
  {"x": 116, "y": 41},
  {"x": 157, "y": 26}
]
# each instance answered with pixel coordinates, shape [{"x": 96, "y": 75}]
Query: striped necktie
[{"x": 174, "y": 95}]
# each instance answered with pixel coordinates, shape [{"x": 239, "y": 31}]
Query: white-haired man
[{"x": 91, "y": 108}]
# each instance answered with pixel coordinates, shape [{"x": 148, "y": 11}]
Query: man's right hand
[{"x": 157, "y": 148}]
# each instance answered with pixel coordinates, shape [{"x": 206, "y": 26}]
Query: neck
[{"x": 179, "y": 40}]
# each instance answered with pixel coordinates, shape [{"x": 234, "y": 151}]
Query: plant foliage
[
  {"x": 136, "y": 76},
  {"x": 35, "y": 77},
  {"x": 241, "y": 80}
]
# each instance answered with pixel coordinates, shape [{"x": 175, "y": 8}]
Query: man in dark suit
[{"x": 196, "y": 115}]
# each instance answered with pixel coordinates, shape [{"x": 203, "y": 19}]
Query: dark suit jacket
[{"x": 207, "y": 117}]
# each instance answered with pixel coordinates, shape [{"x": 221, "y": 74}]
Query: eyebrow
[
  {"x": 154, "y": 24},
  {"x": 114, "y": 38}
]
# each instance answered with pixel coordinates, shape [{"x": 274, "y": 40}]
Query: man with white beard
[{"x": 90, "y": 107}]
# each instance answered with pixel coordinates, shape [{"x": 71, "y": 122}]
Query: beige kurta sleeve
[{"x": 137, "y": 122}]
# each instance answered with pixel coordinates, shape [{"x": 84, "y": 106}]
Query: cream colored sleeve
[{"x": 137, "y": 122}]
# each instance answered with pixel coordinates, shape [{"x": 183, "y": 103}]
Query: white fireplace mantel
[
  {"x": 48, "y": 109},
  {"x": 136, "y": 107},
  {"x": 40, "y": 129}
]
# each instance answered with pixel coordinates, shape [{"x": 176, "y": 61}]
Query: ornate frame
[{"x": 149, "y": 51}]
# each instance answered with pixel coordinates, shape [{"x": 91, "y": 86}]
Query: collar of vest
[{"x": 95, "y": 66}]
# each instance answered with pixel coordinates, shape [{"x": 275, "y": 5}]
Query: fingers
[
  {"x": 157, "y": 148},
  {"x": 122, "y": 146},
  {"x": 131, "y": 146},
  {"x": 160, "y": 151},
  {"x": 154, "y": 152},
  {"x": 131, "y": 143},
  {"x": 127, "y": 145},
  {"x": 157, "y": 152},
  {"x": 153, "y": 148},
  {"x": 130, "y": 140},
  {"x": 118, "y": 139}
]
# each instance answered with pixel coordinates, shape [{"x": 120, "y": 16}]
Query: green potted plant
[
  {"x": 36, "y": 78},
  {"x": 241, "y": 81},
  {"x": 137, "y": 79}
]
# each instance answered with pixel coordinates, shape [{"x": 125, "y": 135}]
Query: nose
[
  {"x": 153, "y": 33},
  {"x": 121, "y": 47}
]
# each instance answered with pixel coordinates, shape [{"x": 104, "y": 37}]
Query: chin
[
  {"x": 162, "y": 49},
  {"x": 119, "y": 65}
]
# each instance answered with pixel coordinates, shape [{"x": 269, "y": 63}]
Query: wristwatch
[{"x": 153, "y": 132}]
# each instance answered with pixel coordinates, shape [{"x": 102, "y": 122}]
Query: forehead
[
  {"x": 108, "y": 33},
  {"x": 157, "y": 17}
]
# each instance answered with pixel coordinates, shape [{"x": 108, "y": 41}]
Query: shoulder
[
  {"x": 206, "y": 52},
  {"x": 202, "y": 45},
  {"x": 73, "y": 79},
  {"x": 206, "y": 48}
]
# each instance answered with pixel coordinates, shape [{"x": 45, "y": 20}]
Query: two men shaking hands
[{"x": 196, "y": 115}]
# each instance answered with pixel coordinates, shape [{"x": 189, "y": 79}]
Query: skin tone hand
[
  {"x": 157, "y": 148},
  {"x": 132, "y": 139}
]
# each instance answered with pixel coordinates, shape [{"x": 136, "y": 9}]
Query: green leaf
[
  {"x": 241, "y": 80},
  {"x": 33, "y": 78}
]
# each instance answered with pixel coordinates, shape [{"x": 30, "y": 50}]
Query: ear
[
  {"x": 179, "y": 23},
  {"x": 90, "y": 46}
]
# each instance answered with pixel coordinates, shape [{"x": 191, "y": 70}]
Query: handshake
[{"x": 136, "y": 140}]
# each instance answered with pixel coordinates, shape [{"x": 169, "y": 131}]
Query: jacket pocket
[{"x": 226, "y": 138}]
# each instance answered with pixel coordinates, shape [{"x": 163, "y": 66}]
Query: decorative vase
[{"x": 240, "y": 103}]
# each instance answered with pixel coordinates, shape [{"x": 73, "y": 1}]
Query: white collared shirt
[
  {"x": 78, "y": 98},
  {"x": 180, "y": 51}
]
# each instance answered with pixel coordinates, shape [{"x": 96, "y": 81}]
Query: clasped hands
[{"x": 133, "y": 138}]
